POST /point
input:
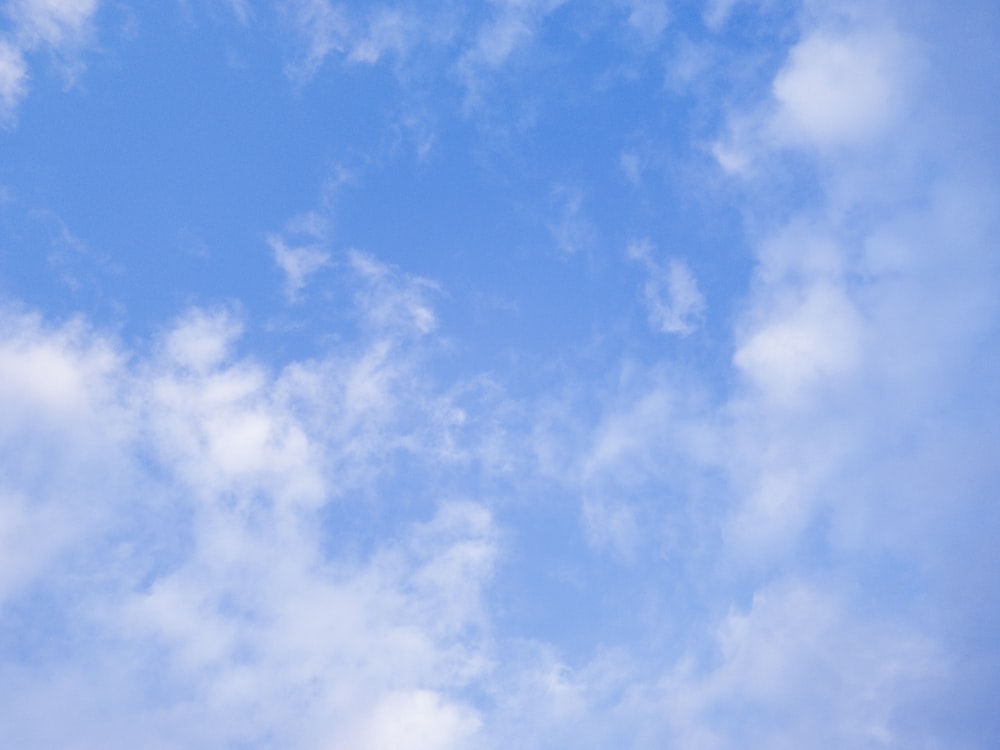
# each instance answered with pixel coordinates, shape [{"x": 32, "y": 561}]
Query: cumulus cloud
[
  {"x": 184, "y": 507},
  {"x": 834, "y": 339},
  {"x": 847, "y": 440},
  {"x": 813, "y": 339},
  {"x": 840, "y": 88},
  {"x": 844, "y": 85},
  {"x": 61, "y": 392}
]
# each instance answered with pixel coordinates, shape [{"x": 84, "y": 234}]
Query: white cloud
[
  {"x": 840, "y": 88},
  {"x": 631, "y": 165},
  {"x": 717, "y": 12},
  {"x": 275, "y": 641},
  {"x": 391, "y": 302},
  {"x": 800, "y": 667},
  {"x": 388, "y": 30},
  {"x": 242, "y": 9},
  {"x": 649, "y": 18},
  {"x": 195, "y": 514},
  {"x": 365, "y": 36},
  {"x": 845, "y": 86},
  {"x": 612, "y": 525},
  {"x": 499, "y": 41},
  {"x": 418, "y": 720},
  {"x": 297, "y": 263},
  {"x": 13, "y": 79},
  {"x": 183, "y": 506},
  {"x": 323, "y": 28},
  {"x": 868, "y": 304},
  {"x": 60, "y": 27},
  {"x": 571, "y": 230},
  {"x": 810, "y": 340},
  {"x": 513, "y": 24},
  {"x": 202, "y": 341},
  {"x": 62, "y": 423},
  {"x": 673, "y": 300},
  {"x": 56, "y": 23}
]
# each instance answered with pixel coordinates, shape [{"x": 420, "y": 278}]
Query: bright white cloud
[
  {"x": 62, "y": 423},
  {"x": 841, "y": 89},
  {"x": 419, "y": 720},
  {"x": 808, "y": 341},
  {"x": 846, "y": 84},
  {"x": 261, "y": 629},
  {"x": 275, "y": 641}
]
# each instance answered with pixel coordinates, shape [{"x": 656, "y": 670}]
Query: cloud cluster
[
  {"x": 851, "y": 441},
  {"x": 201, "y": 548},
  {"x": 180, "y": 503}
]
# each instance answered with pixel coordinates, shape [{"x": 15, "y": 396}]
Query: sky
[{"x": 504, "y": 374}]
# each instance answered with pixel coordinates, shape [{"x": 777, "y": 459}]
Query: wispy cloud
[
  {"x": 571, "y": 230},
  {"x": 60, "y": 28},
  {"x": 649, "y": 18},
  {"x": 323, "y": 29},
  {"x": 298, "y": 263},
  {"x": 673, "y": 300},
  {"x": 358, "y": 35}
]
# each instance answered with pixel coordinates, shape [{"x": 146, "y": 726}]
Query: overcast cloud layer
[{"x": 511, "y": 374}]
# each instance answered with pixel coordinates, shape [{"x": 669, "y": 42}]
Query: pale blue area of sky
[{"x": 511, "y": 374}]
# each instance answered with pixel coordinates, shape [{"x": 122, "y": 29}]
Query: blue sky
[{"x": 523, "y": 373}]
